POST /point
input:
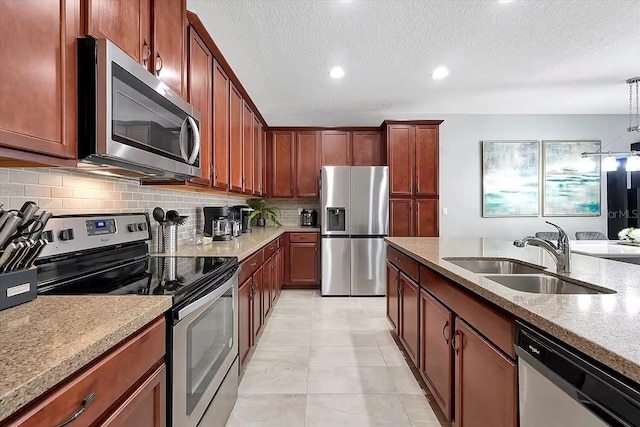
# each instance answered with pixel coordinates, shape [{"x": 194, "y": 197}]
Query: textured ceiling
[{"x": 527, "y": 56}]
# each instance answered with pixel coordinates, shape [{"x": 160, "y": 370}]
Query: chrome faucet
[{"x": 561, "y": 252}]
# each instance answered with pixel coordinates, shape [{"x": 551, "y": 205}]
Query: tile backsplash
[{"x": 65, "y": 191}]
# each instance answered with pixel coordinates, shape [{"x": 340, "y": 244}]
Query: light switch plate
[{"x": 445, "y": 211}]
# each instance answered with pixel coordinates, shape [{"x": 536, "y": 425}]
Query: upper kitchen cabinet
[
  {"x": 221, "y": 134},
  {"x": 200, "y": 91},
  {"x": 426, "y": 141},
  {"x": 282, "y": 163},
  {"x": 307, "y": 167},
  {"x": 38, "y": 101},
  {"x": 258, "y": 158},
  {"x": 236, "y": 162},
  {"x": 153, "y": 32},
  {"x": 366, "y": 147},
  {"x": 247, "y": 150},
  {"x": 336, "y": 148},
  {"x": 401, "y": 159}
]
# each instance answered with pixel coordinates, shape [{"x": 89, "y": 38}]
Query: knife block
[{"x": 18, "y": 287}]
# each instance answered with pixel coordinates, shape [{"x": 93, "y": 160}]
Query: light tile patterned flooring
[{"x": 329, "y": 362}]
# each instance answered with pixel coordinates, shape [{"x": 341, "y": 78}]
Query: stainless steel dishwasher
[{"x": 559, "y": 387}]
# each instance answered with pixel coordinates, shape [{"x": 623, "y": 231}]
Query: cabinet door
[
  {"x": 267, "y": 285},
  {"x": 401, "y": 218},
  {"x": 393, "y": 296},
  {"x": 245, "y": 334},
  {"x": 409, "y": 316},
  {"x": 258, "y": 158},
  {"x": 236, "y": 161},
  {"x": 307, "y": 167},
  {"x": 336, "y": 148},
  {"x": 480, "y": 367},
  {"x": 282, "y": 270},
  {"x": 126, "y": 23},
  {"x": 283, "y": 164},
  {"x": 220, "y": 128},
  {"x": 426, "y": 161},
  {"x": 436, "y": 354},
  {"x": 169, "y": 31},
  {"x": 426, "y": 218},
  {"x": 277, "y": 275},
  {"x": 38, "y": 85},
  {"x": 265, "y": 160},
  {"x": 257, "y": 317},
  {"x": 401, "y": 159},
  {"x": 303, "y": 263},
  {"x": 366, "y": 148},
  {"x": 247, "y": 150},
  {"x": 146, "y": 406},
  {"x": 200, "y": 73}
]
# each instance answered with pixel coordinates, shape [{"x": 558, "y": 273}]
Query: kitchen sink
[
  {"x": 543, "y": 284},
  {"x": 494, "y": 266}
]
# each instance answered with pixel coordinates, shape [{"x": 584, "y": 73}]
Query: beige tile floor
[{"x": 329, "y": 362}]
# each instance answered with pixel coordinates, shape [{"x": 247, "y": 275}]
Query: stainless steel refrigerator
[{"x": 354, "y": 220}]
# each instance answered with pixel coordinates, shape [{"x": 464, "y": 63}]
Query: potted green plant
[{"x": 263, "y": 213}]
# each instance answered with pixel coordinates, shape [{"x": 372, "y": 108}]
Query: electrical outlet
[
  {"x": 445, "y": 211},
  {"x": 299, "y": 211}
]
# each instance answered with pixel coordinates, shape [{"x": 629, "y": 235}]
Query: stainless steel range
[{"x": 108, "y": 255}]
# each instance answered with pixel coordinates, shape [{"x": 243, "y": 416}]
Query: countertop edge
[
  {"x": 37, "y": 386},
  {"x": 612, "y": 360}
]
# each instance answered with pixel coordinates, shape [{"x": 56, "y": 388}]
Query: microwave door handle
[
  {"x": 196, "y": 140},
  {"x": 183, "y": 139}
]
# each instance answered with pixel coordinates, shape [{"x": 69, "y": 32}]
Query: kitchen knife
[
  {"x": 9, "y": 229},
  {"x": 28, "y": 210},
  {"x": 20, "y": 254},
  {"x": 35, "y": 253},
  {"x": 39, "y": 224},
  {"x": 11, "y": 253},
  {"x": 3, "y": 218}
]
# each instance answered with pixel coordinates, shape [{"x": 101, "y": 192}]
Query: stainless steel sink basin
[
  {"x": 494, "y": 266},
  {"x": 543, "y": 284}
]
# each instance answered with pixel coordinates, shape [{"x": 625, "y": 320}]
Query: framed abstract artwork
[
  {"x": 571, "y": 184},
  {"x": 510, "y": 178}
]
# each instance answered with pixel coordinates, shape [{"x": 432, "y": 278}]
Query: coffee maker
[
  {"x": 243, "y": 212},
  {"x": 217, "y": 223}
]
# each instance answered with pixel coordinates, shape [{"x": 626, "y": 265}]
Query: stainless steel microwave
[{"x": 130, "y": 123}]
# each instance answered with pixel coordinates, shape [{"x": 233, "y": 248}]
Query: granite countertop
[
  {"x": 604, "y": 249},
  {"x": 46, "y": 340},
  {"x": 241, "y": 247},
  {"x": 605, "y": 327}
]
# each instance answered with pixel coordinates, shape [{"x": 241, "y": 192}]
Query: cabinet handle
[
  {"x": 445, "y": 336},
  {"x": 398, "y": 259},
  {"x": 158, "y": 64},
  {"x": 454, "y": 342},
  {"x": 83, "y": 407},
  {"x": 253, "y": 264},
  {"x": 147, "y": 53}
]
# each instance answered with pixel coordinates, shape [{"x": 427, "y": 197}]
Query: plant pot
[{"x": 261, "y": 222}]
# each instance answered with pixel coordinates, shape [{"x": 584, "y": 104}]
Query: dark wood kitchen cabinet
[
  {"x": 393, "y": 295},
  {"x": 245, "y": 327},
  {"x": 409, "y": 318},
  {"x": 426, "y": 149},
  {"x": 247, "y": 150},
  {"x": 257, "y": 317},
  {"x": 400, "y": 153},
  {"x": 336, "y": 148},
  {"x": 236, "y": 161},
  {"x": 200, "y": 91},
  {"x": 221, "y": 131},
  {"x": 169, "y": 33},
  {"x": 303, "y": 259},
  {"x": 480, "y": 367},
  {"x": 413, "y": 217},
  {"x": 268, "y": 284},
  {"x": 38, "y": 82},
  {"x": 258, "y": 158},
  {"x": 401, "y": 217},
  {"x": 366, "y": 148},
  {"x": 283, "y": 161},
  {"x": 307, "y": 165},
  {"x": 436, "y": 353},
  {"x": 426, "y": 222}
]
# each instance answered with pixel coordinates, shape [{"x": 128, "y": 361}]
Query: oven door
[{"x": 205, "y": 345}]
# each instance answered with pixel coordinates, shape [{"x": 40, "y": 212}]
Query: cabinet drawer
[
  {"x": 405, "y": 263},
  {"x": 304, "y": 237},
  {"x": 494, "y": 325},
  {"x": 108, "y": 379},
  {"x": 250, "y": 265},
  {"x": 270, "y": 249}
]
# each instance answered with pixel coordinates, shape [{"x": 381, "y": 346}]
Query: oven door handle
[{"x": 209, "y": 298}]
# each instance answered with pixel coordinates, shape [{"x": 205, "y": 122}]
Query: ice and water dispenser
[{"x": 336, "y": 219}]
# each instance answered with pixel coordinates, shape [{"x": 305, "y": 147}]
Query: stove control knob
[
  {"x": 66, "y": 235},
  {"x": 131, "y": 227},
  {"x": 142, "y": 226}
]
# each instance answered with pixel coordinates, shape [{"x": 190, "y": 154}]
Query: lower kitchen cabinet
[
  {"x": 303, "y": 259},
  {"x": 409, "y": 316},
  {"x": 436, "y": 353},
  {"x": 393, "y": 296},
  {"x": 245, "y": 329},
  {"x": 268, "y": 276},
  {"x": 401, "y": 217},
  {"x": 257, "y": 313},
  {"x": 413, "y": 217},
  {"x": 485, "y": 382}
]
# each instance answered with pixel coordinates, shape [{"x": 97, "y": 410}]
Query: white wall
[{"x": 461, "y": 170}]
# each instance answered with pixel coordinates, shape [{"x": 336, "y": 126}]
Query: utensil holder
[
  {"x": 167, "y": 238},
  {"x": 18, "y": 287}
]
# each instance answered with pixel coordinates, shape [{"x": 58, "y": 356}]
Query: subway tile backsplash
[{"x": 65, "y": 191}]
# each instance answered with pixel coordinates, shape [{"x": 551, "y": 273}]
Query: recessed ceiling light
[
  {"x": 440, "y": 73},
  {"x": 336, "y": 73}
]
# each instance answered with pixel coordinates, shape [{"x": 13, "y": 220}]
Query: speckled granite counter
[
  {"x": 242, "y": 246},
  {"x": 605, "y": 327},
  {"x": 46, "y": 340}
]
